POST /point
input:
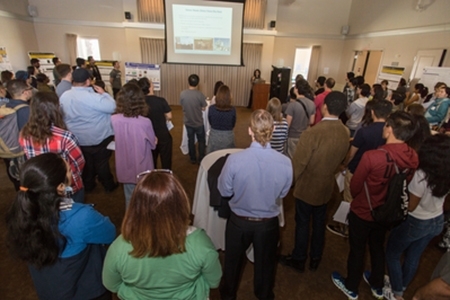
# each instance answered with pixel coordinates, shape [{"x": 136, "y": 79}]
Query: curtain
[
  {"x": 150, "y": 11},
  {"x": 174, "y": 76},
  {"x": 314, "y": 65},
  {"x": 71, "y": 42},
  {"x": 254, "y": 13}
]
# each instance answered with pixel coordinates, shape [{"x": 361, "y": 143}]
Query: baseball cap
[{"x": 80, "y": 75}]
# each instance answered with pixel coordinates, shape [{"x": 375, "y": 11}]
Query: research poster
[
  {"x": 5, "y": 65},
  {"x": 138, "y": 70}
]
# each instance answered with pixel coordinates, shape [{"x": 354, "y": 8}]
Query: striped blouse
[{"x": 279, "y": 135}]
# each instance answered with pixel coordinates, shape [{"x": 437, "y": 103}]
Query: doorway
[
  {"x": 426, "y": 58},
  {"x": 367, "y": 64}
]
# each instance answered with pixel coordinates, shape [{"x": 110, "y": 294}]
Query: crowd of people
[{"x": 367, "y": 133}]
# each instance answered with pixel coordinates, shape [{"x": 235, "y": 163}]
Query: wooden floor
[{"x": 15, "y": 281}]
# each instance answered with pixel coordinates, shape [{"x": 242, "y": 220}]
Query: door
[{"x": 426, "y": 58}]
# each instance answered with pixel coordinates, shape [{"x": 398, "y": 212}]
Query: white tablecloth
[
  {"x": 184, "y": 140},
  {"x": 204, "y": 215}
]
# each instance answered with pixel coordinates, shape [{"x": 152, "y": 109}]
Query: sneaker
[
  {"x": 377, "y": 293},
  {"x": 388, "y": 294},
  {"x": 338, "y": 230},
  {"x": 338, "y": 281},
  {"x": 288, "y": 261}
]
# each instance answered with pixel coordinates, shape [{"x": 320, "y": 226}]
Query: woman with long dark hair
[
  {"x": 255, "y": 79},
  {"x": 427, "y": 190},
  {"x": 134, "y": 137},
  {"x": 222, "y": 118},
  {"x": 158, "y": 255},
  {"x": 46, "y": 131},
  {"x": 58, "y": 239}
]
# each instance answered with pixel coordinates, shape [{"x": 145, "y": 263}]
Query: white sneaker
[{"x": 388, "y": 294}]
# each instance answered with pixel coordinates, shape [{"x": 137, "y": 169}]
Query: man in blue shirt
[
  {"x": 254, "y": 179},
  {"x": 87, "y": 113}
]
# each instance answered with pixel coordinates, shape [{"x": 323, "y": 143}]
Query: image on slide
[
  {"x": 222, "y": 45},
  {"x": 203, "y": 44},
  {"x": 184, "y": 43}
]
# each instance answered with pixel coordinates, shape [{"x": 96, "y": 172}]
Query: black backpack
[{"x": 395, "y": 207}]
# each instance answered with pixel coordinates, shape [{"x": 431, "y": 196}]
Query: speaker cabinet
[
  {"x": 127, "y": 15},
  {"x": 280, "y": 81}
]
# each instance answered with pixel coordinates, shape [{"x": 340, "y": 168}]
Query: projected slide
[{"x": 202, "y": 29}]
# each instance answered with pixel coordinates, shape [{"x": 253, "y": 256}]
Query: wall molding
[{"x": 257, "y": 32}]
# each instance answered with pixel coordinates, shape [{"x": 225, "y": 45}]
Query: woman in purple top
[
  {"x": 134, "y": 137},
  {"x": 222, "y": 118}
]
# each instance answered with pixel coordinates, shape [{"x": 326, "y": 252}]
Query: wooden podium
[{"x": 261, "y": 93}]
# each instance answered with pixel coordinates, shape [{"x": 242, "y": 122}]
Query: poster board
[
  {"x": 138, "y": 70},
  {"x": 432, "y": 75},
  {"x": 45, "y": 60},
  {"x": 392, "y": 74},
  {"x": 5, "y": 65}
]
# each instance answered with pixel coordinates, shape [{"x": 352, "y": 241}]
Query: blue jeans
[
  {"x": 410, "y": 239},
  {"x": 303, "y": 213},
  {"x": 201, "y": 139},
  {"x": 128, "y": 189}
]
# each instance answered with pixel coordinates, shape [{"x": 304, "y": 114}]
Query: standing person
[
  {"x": 59, "y": 240},
  {"x": 42, "y": 83},
  {"x": 222, "y": 118},
  {"x": 158, "y": 255},
  {"x": 65, "y": 73},
  {"x": 159, "y": 113},
  {"x": 115, "y": 78},
  {"x": 280, "y": 125},
  {"x": 384, "y": 86},
  {"x": 193, "y": 103},
  {"x": 368, "y": 137},
  {"x": 56, "y": 79},
  {"x": 134, "y": 137},
  {"x": 439, "y": 286},
  {"x": 20, "y": 92},
  {"x": 321, "y": 149},
  {"x": 374, "y": 172},
  {"x": 254, "y": 207},
  {"x": 81, "y": 63},
  {"x": 87, "y": 113},
  {"x": 34, "y": 62},
  {"x": 318, "y": 101},
  {"x": 427, "y": 190},
  {"x": 94, "y": 69},
  {"x": 348, "y": 78},
  {"x": 32, "y": 75},
  {"x": 46, "y": 131},
  {"x": 355, "y": 111},
  {"x": 300, "y": 114},
  {"x": 255, "y": 79},
  {"x": 402, "y": 87},
  {"x": 320, "y": 85},
  {"x": 217, "y": 85}
]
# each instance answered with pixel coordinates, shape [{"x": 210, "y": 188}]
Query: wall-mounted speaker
[
  {"x": 127, "y": 15},
  {"x": 272, "y": 24},
  {"x": 345, "y": 29},
  {"x": 32, "y": 11}
]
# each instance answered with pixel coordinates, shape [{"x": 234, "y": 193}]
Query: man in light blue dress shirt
[
  {"x": 87, "y": 114},
  {"x": 254, "y": 179}
]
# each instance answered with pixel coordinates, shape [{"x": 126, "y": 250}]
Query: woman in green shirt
[{"x": 158, "y": 255}]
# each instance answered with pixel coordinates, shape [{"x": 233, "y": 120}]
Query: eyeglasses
[{"x": 140, "y": 175}]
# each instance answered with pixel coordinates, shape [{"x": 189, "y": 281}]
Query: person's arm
[
  {"x": 151, "y": 137},
  {"x": 104, "y": 104},
  {"x": 97, "y": 229},
  {"x": 74, "y": 154},
  {"x": 360, "y": 175},
  {"x": 303, "y": 153},
  {"x": 225, "y": 180},
  {"x": 110, "y": 275},
  {"x": 440, "y": 113},
  {"x": 413, "y": 202},
  {"x": 168, "y": 116},
  {"x": 211, "y": 269},
  {"x": 411, "y": 100},
  {"x": 312, "y": 119},
  {"x": 233, "y": 117},
  {"x": 437, "y": 289},
  {"x": 289, "y": 120},
  {"x": 350, "y": 154}
]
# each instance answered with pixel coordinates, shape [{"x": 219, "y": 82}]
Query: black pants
[
  {"x": 164, "y": 151},
  {"x": 14, "y": 181},
  {"x": 97, "y": 164},
  {"x": 239, "y": 235},
  {"x": 115, "y": 91},
  {"x": 361, "y": 232}
]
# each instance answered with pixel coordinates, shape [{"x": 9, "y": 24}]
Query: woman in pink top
[{"x": 134, "y": 137}]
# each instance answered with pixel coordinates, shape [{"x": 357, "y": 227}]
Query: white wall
[
  {"x": 303, "y": 23},
  {"x": 17, "y": 33}
]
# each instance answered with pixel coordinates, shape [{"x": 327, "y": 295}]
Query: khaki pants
[
  {"x": 291, "y": 146},
  {"x": 347, "y": 195}
]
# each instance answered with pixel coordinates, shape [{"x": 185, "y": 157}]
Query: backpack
[
  {"x": 395, "y": 207},
  {"x": 9, "y": 132}
]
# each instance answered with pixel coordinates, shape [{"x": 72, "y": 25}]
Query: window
[
  {"x": 88, "y": 47},
  {"x": 301, "y": 62}
]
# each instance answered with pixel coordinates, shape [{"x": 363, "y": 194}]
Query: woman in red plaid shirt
[{"x": 47, "y": 132}]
